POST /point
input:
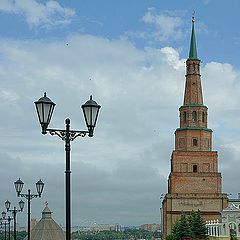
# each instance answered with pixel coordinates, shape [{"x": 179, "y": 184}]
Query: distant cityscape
[{"x": 97, "y": 227}]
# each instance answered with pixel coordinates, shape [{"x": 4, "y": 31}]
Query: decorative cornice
[
  {"x": 194, "y": 128},
  {"x": 194, "y": 105}
]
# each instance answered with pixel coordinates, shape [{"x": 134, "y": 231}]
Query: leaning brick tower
[{"x": 194, "y": 181}]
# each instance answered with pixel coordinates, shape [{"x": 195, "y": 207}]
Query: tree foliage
[
  {"x": 182, "y": 230},
  {"x": 108, "y": 235},
  {"x": 197, "y": 225},
  {"x": 192, "y": 226}
]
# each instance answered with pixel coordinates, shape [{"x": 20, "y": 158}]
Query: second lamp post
[
  {"x": 45, "y": 109},
  {"x": 6, "y": 220},
  {"x": 19, "y": 186},
  {"x": 14, "y": 213}
]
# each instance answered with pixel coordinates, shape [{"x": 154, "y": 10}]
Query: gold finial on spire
[{"x": 193, "y": 18}]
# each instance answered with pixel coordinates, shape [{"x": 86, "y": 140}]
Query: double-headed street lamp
[
  {"x": 45, "y": 109},
  {"x": 14, "y": 213},
  {"x": 6, "y": 221},
  {"x": 19, "y": 186}
]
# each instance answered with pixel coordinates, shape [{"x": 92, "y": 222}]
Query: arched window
[
  {"x": 185, "y": 117},
  {"x": 195, "y": 168},
  {"x": 203, "y": 117},
  {"x": 194, "y": 116}
]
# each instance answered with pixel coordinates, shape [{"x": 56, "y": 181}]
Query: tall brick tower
[{"x": 194, "y": 181}]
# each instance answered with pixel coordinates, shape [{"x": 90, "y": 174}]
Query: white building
[{"x": 229, "y": 223}]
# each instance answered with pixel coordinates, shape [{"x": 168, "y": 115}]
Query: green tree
[
  {"x": 197, "y": 225},
  {"x": 182, "y": 229},
  {"x": 112, "y": 235},
  {"x": 174, "y": 230},
  {"x": 191, "y": 227},
  {"x": 170, "y": 237}
]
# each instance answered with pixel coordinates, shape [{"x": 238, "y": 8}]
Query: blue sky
[
  {"x": 130, "y": 55},
  {"x": 113, "y": 19}
]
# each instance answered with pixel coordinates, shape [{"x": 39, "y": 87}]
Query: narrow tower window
[
  {"x": 185, "y": 117},
  {"x": 203, "y": 117},
  {"x": 195, "y": 142},
  {"x": 193, "y": 67},
  {"x": 195, "y": 168},
  {"x": 194, "y": 116}
]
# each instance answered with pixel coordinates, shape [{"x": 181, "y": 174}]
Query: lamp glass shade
[
  {"x": 45, "y": 109},
  {"x": 39, "y": 186},
  {"x": 21, "y": 204},
  {"x": 3, "y": 215},
  {"x": 90, "y": 111},
  {"x": 18, "y": 186},
  {"x": 7, "y": 205}
]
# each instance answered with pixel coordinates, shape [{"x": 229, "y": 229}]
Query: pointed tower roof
[
  {"x": 193, "y": 89},
  {"x": 193, "y": 45},
  {"x": 47, "y": 228}
]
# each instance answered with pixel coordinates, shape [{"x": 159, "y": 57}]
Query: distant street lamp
[
  {"x": 5, "y": 227},
  {"x": 19, "y": 186},
  {"x": 1, "y": 230},
  {"x": 45, "y": 109},
  {"x": 14, "y": 213},
  {"x": 6, "y": 222}
]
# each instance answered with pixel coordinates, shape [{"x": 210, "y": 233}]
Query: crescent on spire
[{"x": 193, "y": 16}]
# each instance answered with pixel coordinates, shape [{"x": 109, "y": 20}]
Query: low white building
[{"x": 229, "y": 223}]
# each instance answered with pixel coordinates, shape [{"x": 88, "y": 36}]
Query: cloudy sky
[{"x": 130, "y": 56}]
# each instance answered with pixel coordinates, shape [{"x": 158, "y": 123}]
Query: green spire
[{"x": 193, "y": 46}]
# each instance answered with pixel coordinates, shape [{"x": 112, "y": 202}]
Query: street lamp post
[
  {"x": 6, "y": 220},
  {"x": 14, "y": 213},
  {"x": 45, "y": 109},
  {"x": 1, "y": 231},
  {"x": 5, "y": 228},
  {"x": 19, "y": 186}
]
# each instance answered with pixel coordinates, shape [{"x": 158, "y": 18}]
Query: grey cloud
[{"x": 119, "y": 174}]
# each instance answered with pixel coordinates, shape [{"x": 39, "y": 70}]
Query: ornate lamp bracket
[{"x": 63, "y": 134}]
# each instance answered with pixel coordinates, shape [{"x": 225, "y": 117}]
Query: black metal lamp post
[
  {"x": 5, "y": 228},
  {"x": 1, "y": 230},
  {"x": 45, "y": 109},
  {"x": 19, "y": 186},
  {"x": 6, "y": 220},
  {"x": 14, "y": 213}
]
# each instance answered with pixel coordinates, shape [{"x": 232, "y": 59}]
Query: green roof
[
  {"x": 193, "y": 46},
  {"x": 194, "y": 128},
  {"x": 193, "y": 105}
]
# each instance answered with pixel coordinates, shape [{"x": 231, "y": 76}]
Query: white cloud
[
  {"x": 173, "y": 57},
  {"x": 168, "y": 26},
  {"x": 6, "y": 95},
  {"x": 37, "y": 14},
  {"x": 140, "y": 92}
]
